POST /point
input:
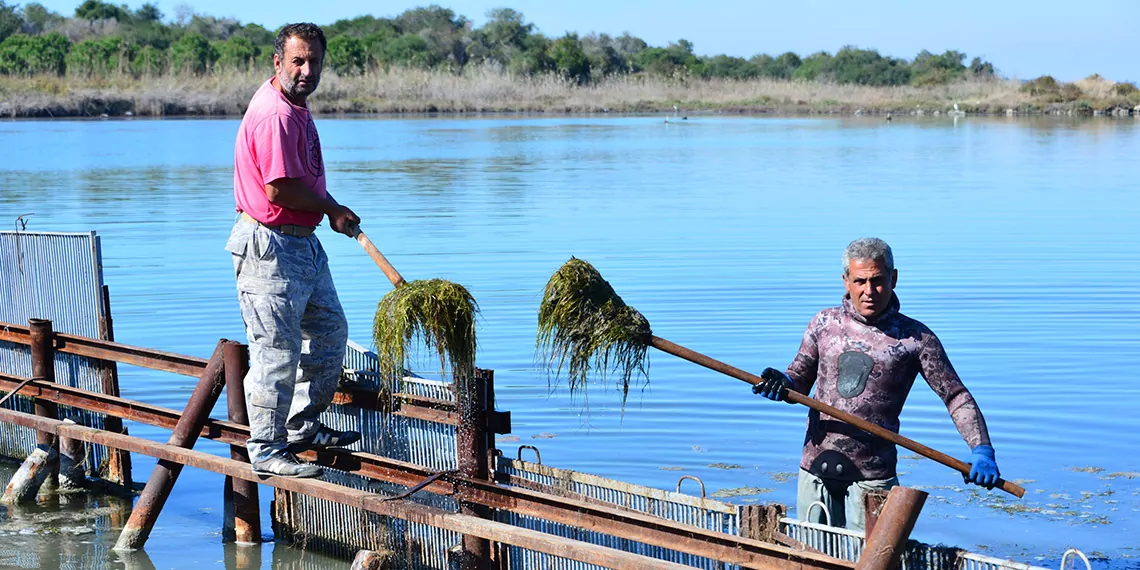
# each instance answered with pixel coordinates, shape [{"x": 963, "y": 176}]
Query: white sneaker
[{"x": 285, "y": 464}]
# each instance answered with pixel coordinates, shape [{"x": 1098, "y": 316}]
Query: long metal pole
[
  {"x": 166, "y": 472},
  {"x": 243, "y": 517},
  {"x": 43, "y": 366}
]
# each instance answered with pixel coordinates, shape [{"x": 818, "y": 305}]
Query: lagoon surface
[{"x": 1017, "y": 241}]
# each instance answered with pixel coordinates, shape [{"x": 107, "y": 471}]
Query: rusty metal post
[
  {"x": 71, "y": 455},
  {"x": 873, "y": 502},
  {"x": 43, "y": 366},
  {"x": 471, "y": 447},
  {"x": 885, "y": 546},
  {"x": 118, "y": 468},
  {"x": 762, "y": 522},
  {"x": 28, "y": 479},
  {"x": 165, "y": 473},
  {"x": 242, "y": 522}
]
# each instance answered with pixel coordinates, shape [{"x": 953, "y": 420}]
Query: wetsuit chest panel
[{"x": 854, "y": 368}]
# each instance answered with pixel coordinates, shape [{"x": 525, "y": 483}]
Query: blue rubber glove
[
  {"x": 774, "y": 386},
  {"x": 983, "y": 467}
]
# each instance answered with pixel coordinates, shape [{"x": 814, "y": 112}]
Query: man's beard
[{"x": 295, "y": 89}]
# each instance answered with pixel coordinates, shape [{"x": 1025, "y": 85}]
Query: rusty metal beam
[
  {"x": 113, "y": 351},
  {"x": 165, "y": 474},
  {"x": 242, "y": 522},
  {"x": 408, "y": 405},
  {"x": 491, "y": 530},
  {"x": 609, "y": 519},
  {"x": 118, "y": 467}
]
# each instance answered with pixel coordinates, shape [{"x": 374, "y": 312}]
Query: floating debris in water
[
  {"x": 507, "y": 438},
  {"x": 1086, "y": 469},
  {"x": 1122, "y": 475},
  {"x": 725, "y": 465},
  {"x": 671, "y": 468},
  {"x": 783, "y": 476},
  {"x": 739, "y": 492},
  {"x": 543, "y": 435}
]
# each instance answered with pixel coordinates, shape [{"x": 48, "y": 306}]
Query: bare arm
[{"x": 294, "y": 194}]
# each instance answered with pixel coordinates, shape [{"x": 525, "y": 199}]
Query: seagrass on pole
[
  {"x": 441, "y": 314},
  {"x": 585, "y": 328}
]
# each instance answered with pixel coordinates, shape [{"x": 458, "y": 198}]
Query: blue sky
[{"x": 1023, "y": 39}]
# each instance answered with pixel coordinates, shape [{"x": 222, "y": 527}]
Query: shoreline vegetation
[
  {"x": 475, "y": 91},
  {"x": 111, "y": 60}
]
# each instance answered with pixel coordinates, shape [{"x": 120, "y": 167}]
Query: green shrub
[
  {"x": 569, "y": 60},
  {"x": 21, "y": 54},
  {"x": 192, "y": 53},
  {"x": 150, "y": 61},
  {"x": 237, "y": 52},
  {"x": 346, "y": 55},
  {"x": 101, "y": 57}
]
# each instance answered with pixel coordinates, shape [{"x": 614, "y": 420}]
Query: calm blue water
[{"x": 1016, "y": 241}]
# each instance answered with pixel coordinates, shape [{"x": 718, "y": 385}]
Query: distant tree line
[{"x": 103, "y": 39}]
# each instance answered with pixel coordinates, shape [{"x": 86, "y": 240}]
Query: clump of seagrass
[
  {"x": 439, "y": 313},
  {"x": 585, "y": 328}
]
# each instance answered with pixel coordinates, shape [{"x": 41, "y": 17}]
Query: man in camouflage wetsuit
[
  {"x": 863, "y": 357},
  {"x": 296, "y": 328}
]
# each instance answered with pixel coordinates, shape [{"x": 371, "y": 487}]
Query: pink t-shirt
[{"x": 276, "y": 139}]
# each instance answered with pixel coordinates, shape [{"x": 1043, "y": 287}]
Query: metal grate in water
[
  {"x": 848, "y": 545},
  {"x": 339, "y": 530},
  {"x": 704, "y": 513},
  {"x": 56, "y": 276}
]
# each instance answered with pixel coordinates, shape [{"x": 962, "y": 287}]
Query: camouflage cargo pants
[{"x": 297, "y": 334}]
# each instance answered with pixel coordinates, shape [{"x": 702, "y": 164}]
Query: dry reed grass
[{"x": 488, "y": 89}]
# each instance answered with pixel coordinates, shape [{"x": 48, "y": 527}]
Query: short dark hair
[{"x": 305, "y": 31}]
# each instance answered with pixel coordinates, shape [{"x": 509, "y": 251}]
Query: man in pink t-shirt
[{"x": 293, "y": 319}]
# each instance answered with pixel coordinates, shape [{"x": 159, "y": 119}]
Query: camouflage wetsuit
[{"x": 866, "y": 367}]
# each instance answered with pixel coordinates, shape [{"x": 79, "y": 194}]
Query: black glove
[{"x": 775, "y": 385}]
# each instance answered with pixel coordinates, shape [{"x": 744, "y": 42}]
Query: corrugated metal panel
[
  {"x": 56, "y": 276},
  {"x": 704, "y": 513},
  {"x": 339, "y": 530},
  {"x": 848, "y": 545}
]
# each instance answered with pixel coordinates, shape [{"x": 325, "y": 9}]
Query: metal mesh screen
[
  {"x": 340, "y": 530},
  {"x": 55, "y": 276},
  {"x": 699, "y": 512}
]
